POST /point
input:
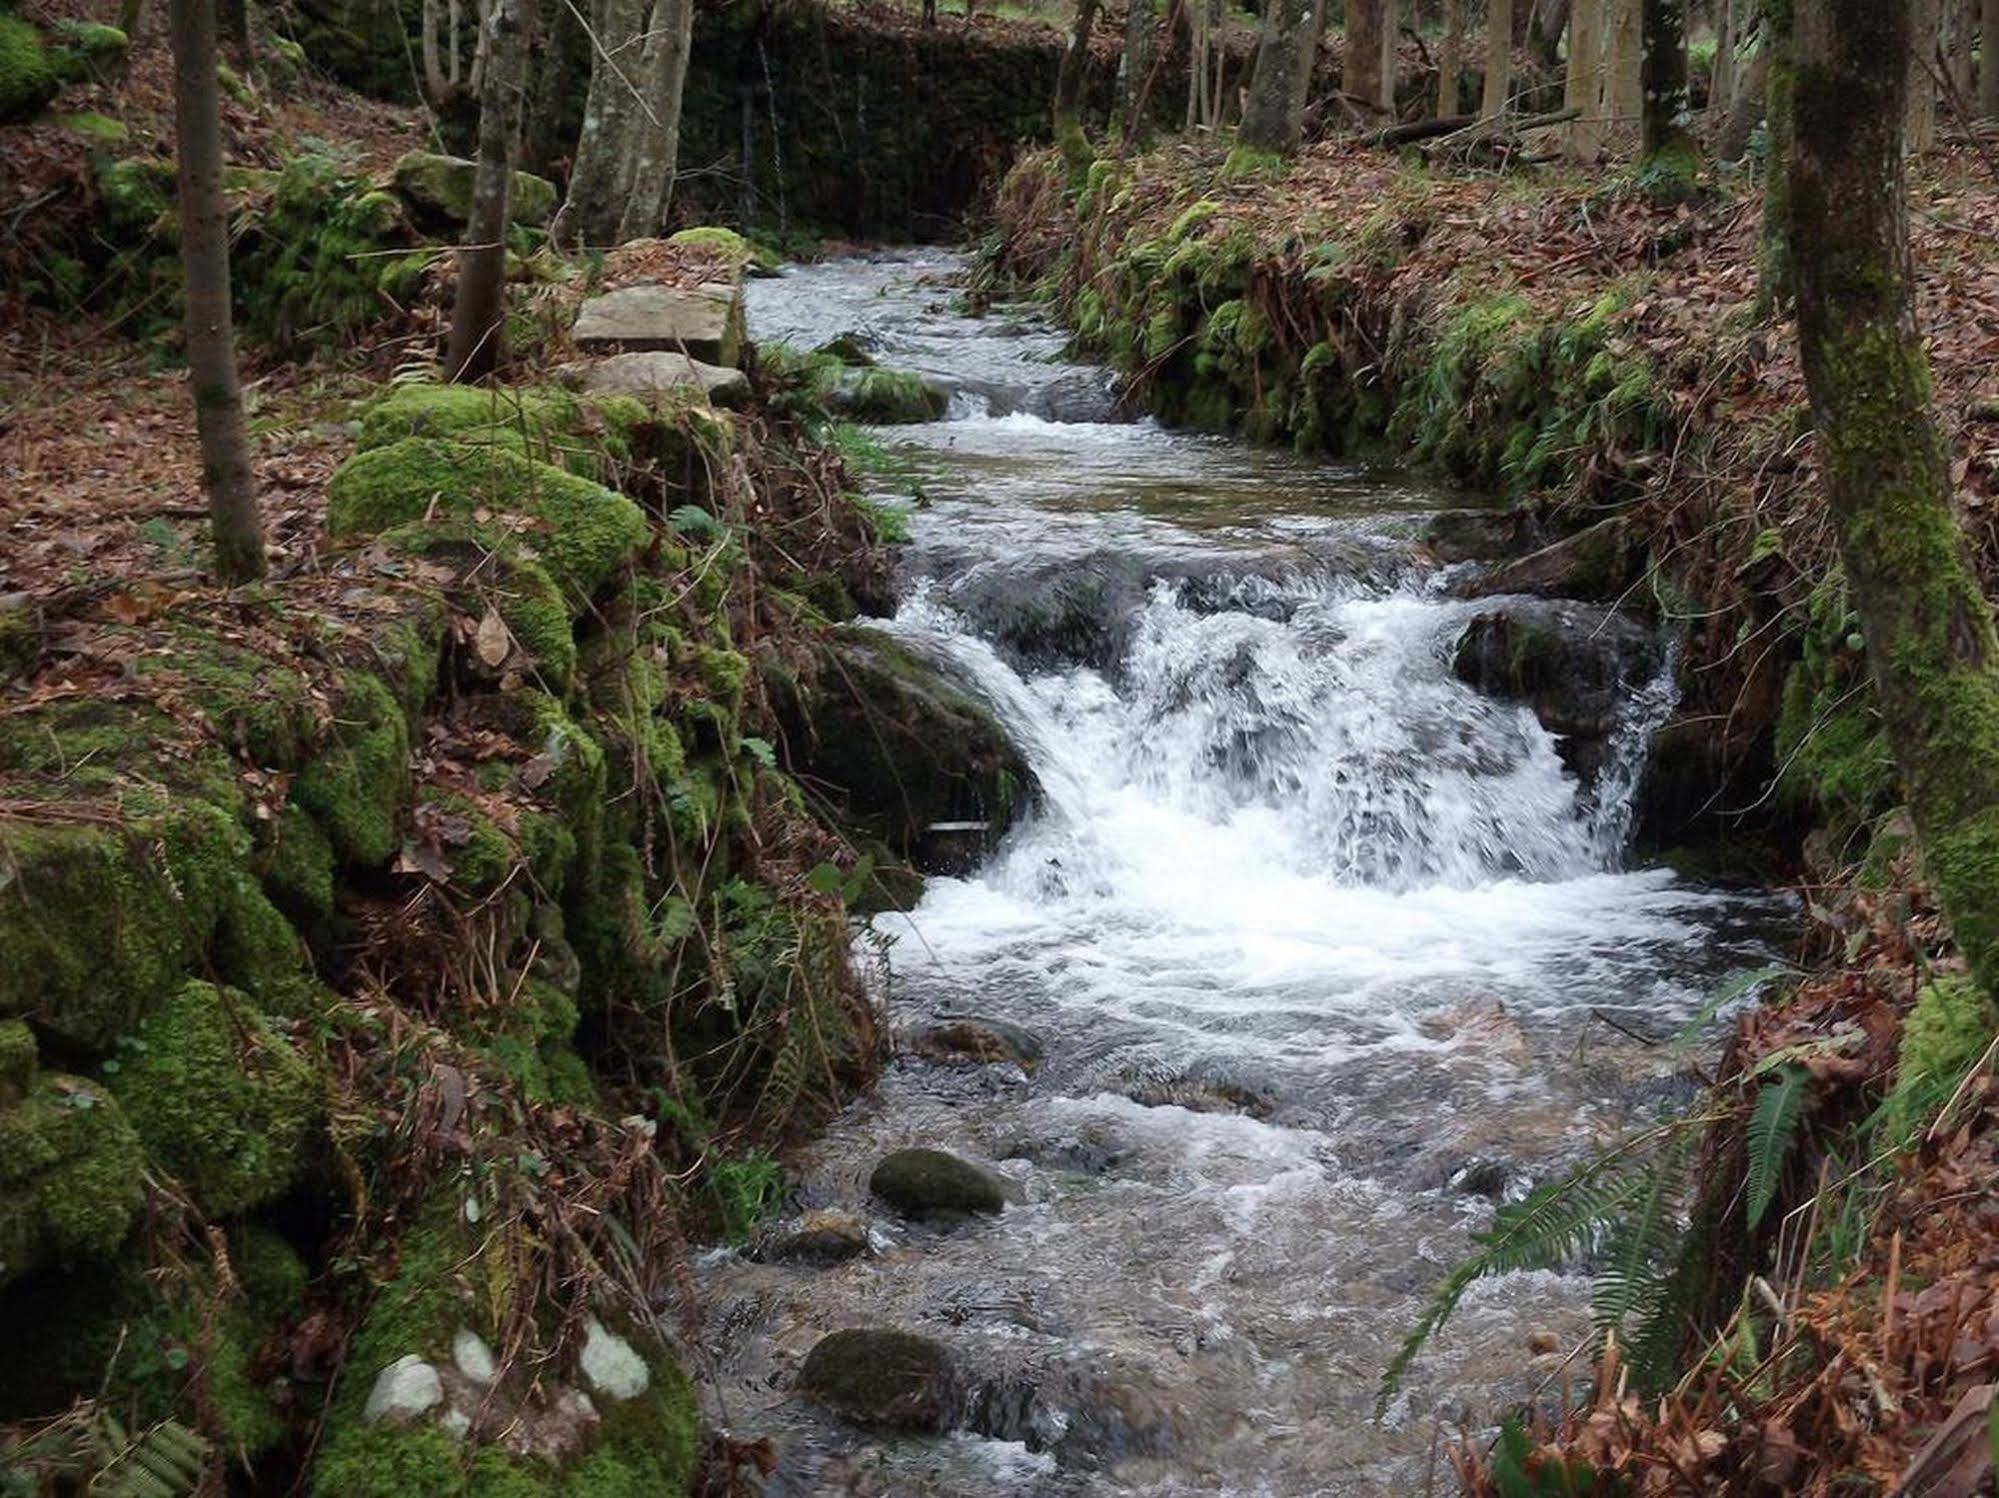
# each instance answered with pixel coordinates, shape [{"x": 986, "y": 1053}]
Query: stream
[{"x": 1326, "y": 952}]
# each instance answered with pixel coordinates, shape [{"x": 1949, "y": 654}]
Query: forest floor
[{"x": 1553, "y": 333}]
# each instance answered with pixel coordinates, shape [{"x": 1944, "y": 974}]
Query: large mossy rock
[
  {"x": 702, "y": 322},
  {"x": 888, "y": 397},
  {"x": 1598, "y": 565},
  {"x": 888, "y": 1379},
  {"x": 936, "y": 1183},
  {"x": 72, "y": 1173},
  {"x": 906, "y": 749},
  {"x": 439, "y": 190},
  {"x": 28, "y": 77}
]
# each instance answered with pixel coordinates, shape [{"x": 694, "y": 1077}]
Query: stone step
[
  {"x": 704, "y": 322},
  {"x": 665, "y": 373}
]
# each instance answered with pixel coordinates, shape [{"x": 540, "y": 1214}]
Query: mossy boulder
[
  {"x": 71, "y": 1174},
  {"x": 742, "y": 254},
  {"x": 890, "y": 1379},
  {"x": 888, "y": 397},
  {"x": 358, "y": 785},
  {"x": 586, "y": 532},
  {"x": 89, "y": 51},
  {"x": 936, "y": 1183},
  {"x": 222, "y": 1101},
  {"x": 28, "y": 75},
  {"x": 906, "y": 747},
  {"x": 1598, "y": 565},
  {"x": 594, "y": 437},
  {"x": 439, "y": 189}
]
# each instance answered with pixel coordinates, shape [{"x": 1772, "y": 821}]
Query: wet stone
[
  {"x": 936, "y": 1183},
  {"x": 891, "y": 1379},
  {"x": 827, "y": 1236},
  {"x": 972, "y": 1038}
]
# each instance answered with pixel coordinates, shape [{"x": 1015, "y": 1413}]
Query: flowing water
[{"x": 1327, "y": 953}]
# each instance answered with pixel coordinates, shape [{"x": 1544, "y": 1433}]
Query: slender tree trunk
[
  {"x": 1745, "y": 110},
  {"x": 479, "y": 314},
  {"x": 1544, "y": 30},
  {"x": 435, "y": 85},
  {"x": 1498, "y": 58},
  {"x": 1778, "y": 281},
  {"x": 1585, "y": 81},
  {"x": 590, "y": 212},
  {"x": 1623, "y": 81},
  {"x": 1451, "y": 61},
  {"x": 1365, "y": 23},
  {"x": 1272, "y": 114},
  {"x": 1886, "y": 471},
  {"x": 1721, "y": 84},
  {"x": 1141, "y": 30},
  {"x": 1925, "y": 30},
  {"x": 648, "y": 164},
  {"x": 452, "y": 71},
  {"x": 561, "y": 52},
  {"x": 1988, "y": 60},
  {"x": 1963, "y": 27},
  {"x": 211, "y": 333},
  {"x": 1074, "y": 73},
  {"x": 1670, "y": 157},
  {"x": 1391, "y": 36},
  {"x": 131, "y": 14}
]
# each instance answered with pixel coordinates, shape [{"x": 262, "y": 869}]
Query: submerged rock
[
  {"x": 1598, "y": 564},
  {"x": 439, "y": 188},
  {"x": 849, "y": 350},
  {"x": 936, "y": 1183},
  {"x": 892, "y": 1379},
  {"x": 826, "y": 1236},
  {"x": 976, "y": 1039},
  {"x": 704, "y": 323},
  {"x": 1473, "y": 535}
]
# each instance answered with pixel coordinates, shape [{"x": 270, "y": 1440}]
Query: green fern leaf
[{"x": 1773, "y": 1127}]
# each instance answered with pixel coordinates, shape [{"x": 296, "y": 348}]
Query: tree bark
[
  {"x": 1585, "y": 81},
  {"x": 1073, "y": 74},
  {"x": 1361, "y": 77},
  {"x": 1778, "y": 282},
  {"x": 1623, "y": 73},
  {"x": 479, "y": 313},
  {"x": 1988, "y": 60},
  {"x": 1745, "y": 110},
  {"x": 561, "y": 50},
  {"x": 1667, "y": 144},
  {"x": 1141, "y": 29},
  {"x": 211, "y": 333},
  {"x": 1721, "y": 83},
  {"x": 1925, "y": 29},
  {"x": 434, "y": 82},
  {"x": 1886, "y": 472},
  {"x": 1498, "y": 58},
  {"x": 648, "y": 163},
  {"x": 1544, "y": 30},
  {"x": 1451, "y": 60},
  {"x": 589, "y": 212},
  {"x": 1273, "y": 112}
]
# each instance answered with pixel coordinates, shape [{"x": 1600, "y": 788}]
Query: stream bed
[{"x": 1325, "y": 954}]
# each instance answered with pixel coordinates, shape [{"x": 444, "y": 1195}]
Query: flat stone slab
[
  {"x": 705, "y": 323},
  {"x": 665, "y": 373}
]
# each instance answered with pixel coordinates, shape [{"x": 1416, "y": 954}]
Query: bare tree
[
  {"x": 1667, "y": 146},
  {"x": 648, "y": 163},
  {"x": 478, "y": 313},
  {"x": 1988, "y": 60},
  {"x": 1367, "y": 37},
  {"x": 1623, "y": 78},
  {"x": 1925, "y": 32},
  {"x": 1070, "y": 79},
  {"x": 1886, "y": 471},
  {"x": 211, "y": 332},
  {"x": 1721, "y": 83},
  {"x": 1451, "y": 58},
  {"x": 1777, "y": 281},
  {"x": 1498, "y": 58},
  {"x": 1273, "y": 112},
  {"x": 1141, "y": 30},
  {"x": 1584, "y": 92},
  {"x": 589, "y": 211}
]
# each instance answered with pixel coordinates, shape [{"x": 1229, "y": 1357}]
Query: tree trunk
[
  {"x": 131, "y": 14},
  {"x": 590, "y": 212},
  {"x": 1777, "y": 276},
  {"x": 435, "y": 85},
  {"x": 211, "y": 334},
  {"x": 1667, "y": 145},
  {"x": 1745, "y": 110},
  {"x": 1623, "y": 80},
  {"x": 452, "y": 71},
  {"x": 1887, "y": 482},
  {"x": 1963, "y": 27},
  {"x": 233, "y": 17},
  {"x": 1585, "y": 82},
  {"x": 1366, "y": 21},
  {"x": 561, "y": 51},
  {"x": 1273, "y": 113},
  {"x": 1071, "y": 77},
  {"x": 1544, "y": 30},
  {"x": 1391, "y": 37},
  {"x": 1141, "y": 29},
  {"x": 1498, "y": 58},
  {"x": 1925, "y": 29},
  {"x": 648, "y": 164},
  {"x": 479, "y": 313},
  {"x": 1721, "y": 83},
  {"x": 1988, "y": 60},
  {"x": 1451, "y": 61}
]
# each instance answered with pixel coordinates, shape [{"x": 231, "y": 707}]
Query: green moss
[
  {"x": 18, "y": 1061},
  {"x": 258, "y": 707},
  {"x": 137, "y": 196},
  {"x": 740, "y": 252},
  {"x": 1948, "y": 1030},
  {"x": 27, "y": 74},
  {"x": 71, "y": 1175},
  {"x": 588, "y": 533},
  {"x": 88, "y": 51},
  {"x": 591, "y": 438},
  {"x": 537, "y": 615},
  {"x": 1832, "y": 748},
  {"x": 441, "y": 187},
  {"x": 893, "y": 397},
  {"x": 99, "y": 131},
  {"x": 222, "y": 1102},
  {"x": 296, "y": 866},
  {"x": 359, "y": 783}
]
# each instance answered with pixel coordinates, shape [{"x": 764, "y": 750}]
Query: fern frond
[{"x": 1773, "y": 1128}]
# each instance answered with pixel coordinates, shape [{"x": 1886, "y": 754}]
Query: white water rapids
[{"x": 1316, "y": 939}]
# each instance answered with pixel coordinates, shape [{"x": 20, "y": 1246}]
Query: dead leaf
[{"x": 493, "y": 641}]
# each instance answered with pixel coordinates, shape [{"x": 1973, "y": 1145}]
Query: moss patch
[{"x": 70, "y": 1175}]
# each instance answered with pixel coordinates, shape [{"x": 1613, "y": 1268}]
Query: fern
[{"x": 1773, "y": 1127}]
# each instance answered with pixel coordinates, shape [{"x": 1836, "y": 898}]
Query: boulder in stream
[
  {"x": 935, "y": 1183},
  {"x": 888, "y": 397},
  {"x": 1599, "y": 564},
  {"x": 891, "y": 1379},
  {"x": 825, "y": 1236},
  {"x": 972, "y": 1038}
]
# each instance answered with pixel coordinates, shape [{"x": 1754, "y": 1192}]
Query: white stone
[
  {"x": 666, "y": 372},
  {"x": 473, "y": 1357},
  {"x": 703, "y": 322},
  {"x": 611, "y": 1365},
  {"x": 404, "y": 1390},
  {"x": 455, "y": 1423}
]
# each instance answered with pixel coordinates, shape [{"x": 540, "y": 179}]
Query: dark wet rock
[
  {"x": 1482, "y": 1176},
  {"x": 935, "y": 1183},
  {"x": 1081, "y": 1154},
  {"x": 1056, "y": 611},
  {"x": 1114, "y": 1414},
  {"x": 1082, "y": 397},
  {"x": 890, "y": 1379},
  {"x": 826, "y": 1236},
  {"x": 1477, "y": 535},
  {"x": 1196, "y": 1094},
  {"x": 849, "y": 350},
  {"x": 1574, "y": 665},
  {"x": 972, "y": 1038},
  {"x": 1598, "y": 564},
  {"x": 908, "y": 753}
]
